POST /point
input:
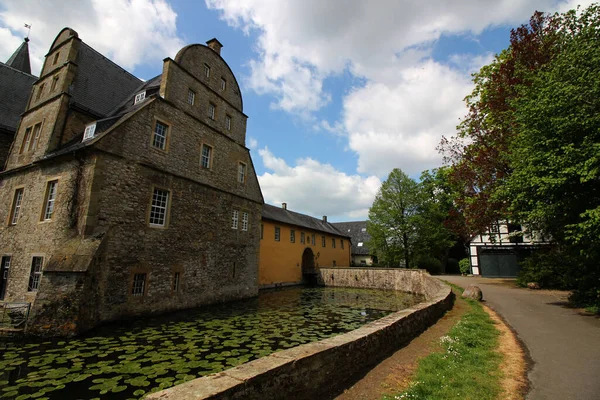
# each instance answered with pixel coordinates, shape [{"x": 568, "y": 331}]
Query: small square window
[
  {"x": 35, "y": 274},
  {"x": 277, "y": 233},
  {"x": 206, "y": 71},
  {"x": 244, "y": 221},
  {"x": 228, "y": 122},
  {"x": 139, "y": 285},
  {"x": 50, "y": 197},
  {"x": 89, "y": 131},
  {"x": 205, "y": 158},
  {"x": 191, "y": 97},
  {"x": 301, "y": 237},
  {"x": 223, "y": 84},
  {"x": 139, "y": 97},
  {"x": 241, "y": 172},
  {"x": 16, "y": 206},
  {"x": 292, "y": 236},
  {"x": 159, "y": 207},
  {"x": 234, "y": 219},
  {"x": 211, "y": 110},
  {"x": 159, "y": 136}
]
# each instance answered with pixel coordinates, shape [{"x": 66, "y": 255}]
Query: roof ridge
[{"x": 18, "y": 70}]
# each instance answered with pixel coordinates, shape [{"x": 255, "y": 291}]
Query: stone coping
[{"x": 309, "y": 370}]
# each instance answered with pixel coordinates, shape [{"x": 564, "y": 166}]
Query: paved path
[{"x": 564, "y": 345}]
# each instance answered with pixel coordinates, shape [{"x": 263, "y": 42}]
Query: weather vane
[{"x": 28, "y": 26}]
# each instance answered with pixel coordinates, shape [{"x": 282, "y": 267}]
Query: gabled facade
[
  {"x": 118, "y": 194},
  {"x": 15, "y": 87},
  {"x": 360, "y": 253},
  {"x": 293, "y": 246},
  {"x": 497, "y": 252}
]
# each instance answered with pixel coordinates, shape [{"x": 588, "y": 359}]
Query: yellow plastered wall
[{"x": 281, "y": 261}]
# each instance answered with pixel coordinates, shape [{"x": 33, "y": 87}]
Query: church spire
[{"x": 20, "y": 58}]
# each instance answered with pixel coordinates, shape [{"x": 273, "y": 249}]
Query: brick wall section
[{"x": 313, "y": 370}]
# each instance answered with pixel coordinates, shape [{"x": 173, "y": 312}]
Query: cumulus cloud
[
  {"x": 129, "y": 32},
  {"x": 252, "y": 143},
  {"x": 316, "y": 189}
]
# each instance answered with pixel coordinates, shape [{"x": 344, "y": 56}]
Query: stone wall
[{"x": 312, "y": 370}]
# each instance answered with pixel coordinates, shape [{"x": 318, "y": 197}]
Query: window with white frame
[
  {"x": 301, "y": 237},
  {"x": 241, "y": 172},
  {"x": 206, "y": 71},
  {"x": 228, "y": 122},
  {"x": 211, "y": 110},
  {"x": 292, "y": 236},
  {"x": 50, "y": 198},
  {"x": 35, "y": 274},
  {"x": 313, "y": 239},
  {"x": 277, "y": 233},
  {"x": 16, "y": 206},
  {"x": 223, "y": 84},
  {"x": 363, "y": 229},
  {"x": 159, "y": 136},
  {"x": 138, "y": 288},
  {"x": 234, "y": 219},
  {"x": 159, "y": 207},
  {"x": 360, "y": 244},
  {"x": 205, "y": 158},
  {"x": 139, "y": 97},
  {"x": 35, "y": 137},
  {"x": 191, "y": 97},
  {"x": 244, "y": 221},
  {"x": 26, "y": 140},
  {"x": 89, "y": 132},
  {"x": 333, "y": 243}
]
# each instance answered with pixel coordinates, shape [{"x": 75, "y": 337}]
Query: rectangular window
[
  {"x": 26, "y": 140},
  {"x": 191, "y": 97},
  {"x": 176, "y": 277},
  {"x": 234, "y": 219},
  {"x": 50, "y": 197},
  {"x": 205, "y": 159},
  {"x": 228, "y": 122},
  {"x": 159, "y": 207},
  {"x": 36, "y": 136},
  {"x": 323, "y": 242},
  {"x": 55, "y": 58},
  {"x": 244, "y": 221},
  {"x": 313, "y": 240},
  {"x": 301, "y": 237},
  {"x": 159, "y": 137},
  {"x": 342, "y": 243},
  {"x": 262, "y": 231},
  {"x": 241, "y": 172},
  {"x": 139, "y": 97},
  {"x": 16, "y": 206},
  {"x": 89, "y": 131},
  {"x": 40, "y": 91},
  {"x": 4, "y": 270},
  {"x": 54, "y": 83},
  {"x": 223, "y": 84},
  {"x": 333, "y": 243},
  {"x": 206, "y": 70},
  {"x": 292, "y": 236},
  {"x": 211, "y": 110},
  {"x": 35, "y": 274},
  {"x": 139, "y": 285},
  {"x": 277, "y": 233}
]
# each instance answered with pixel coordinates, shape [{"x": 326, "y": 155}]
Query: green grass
[{"x": 468, "y": 368}]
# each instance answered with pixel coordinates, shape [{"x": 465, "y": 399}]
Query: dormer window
[
  {"x": 139, "y": 97},
  {"x": 89, "y": 131}
]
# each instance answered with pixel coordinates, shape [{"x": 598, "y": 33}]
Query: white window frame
[
  {"x": 228, "y": 122},
  {"x": 207, "y": 70},
  {"x": 277, "y": 234},
  {"x": 37, "y": 130},
  {"x": 235, "y": 215},
  {"x": 223, "y": 84},
  {"x": 333, "y": 243},
  {"x": 35, "y": 273},
  {"x": 191, "y": 97},
  {"x": 50, "y": 199},
  {"x": 139, "y": 97},
  {"x": 89, "y": 132},
  {"x": 16, "y": 206},
  {"x": 160, "y": 137},
  {"x": 242, "y": 172},
  {"x": 138, "y": 287},
  {"x": 212, "y": 110},
  {"x": 159, "y": 207},
  {"x": 245, "y": 220},
  {"x": 313, "y": 239},
  {"x": 206, "y": 157},
  {"x": 360, "y": 244},
  {"x": 302, "y": 240},
  {"x": 292, "y": 236}
]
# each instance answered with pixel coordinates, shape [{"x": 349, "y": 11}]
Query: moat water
[{"x": 127, "y": 360}]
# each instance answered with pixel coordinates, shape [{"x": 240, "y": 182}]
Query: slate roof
[
  {"x": 279, "y": 214},
  {"x": 354, "y": 229},
  {"x": 15, "y": 87},
  {"x": 20, "y": 58}
]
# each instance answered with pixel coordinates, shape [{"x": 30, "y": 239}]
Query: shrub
[
  {"x": 431, "y": 264},
  {"x": 452, "y": 266},
  {"x": 465, "y": 266},
  {"x": 550, "y": 268}
]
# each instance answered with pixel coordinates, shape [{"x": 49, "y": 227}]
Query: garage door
[{"x": 496, "y": 264}]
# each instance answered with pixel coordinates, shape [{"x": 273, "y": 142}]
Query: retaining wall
[{"x": 310, "y": 370}]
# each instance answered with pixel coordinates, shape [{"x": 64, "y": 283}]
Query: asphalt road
[{"x": 563, "y": 345}]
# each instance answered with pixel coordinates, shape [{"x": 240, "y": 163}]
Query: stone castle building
[{"x": 122, "y": 197}]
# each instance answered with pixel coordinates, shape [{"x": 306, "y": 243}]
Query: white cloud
[
  {"x": 252, "y": 143},
  {"x": 129, "y": 32},
  {"x": 316, "y": 189}
]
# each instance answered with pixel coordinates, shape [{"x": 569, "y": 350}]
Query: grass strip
[{"x": 468, "y": 367}]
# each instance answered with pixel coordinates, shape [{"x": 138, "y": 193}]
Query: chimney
[
  {"x": 215, "y": 45},
  {"x": 324, "y": 218},
  {"x": 284, "y": 206}
]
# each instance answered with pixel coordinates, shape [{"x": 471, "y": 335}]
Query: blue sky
[{"x": 338, "y": 92}]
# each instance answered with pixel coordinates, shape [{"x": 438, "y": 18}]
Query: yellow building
[{"x": 294, "y": 245}]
